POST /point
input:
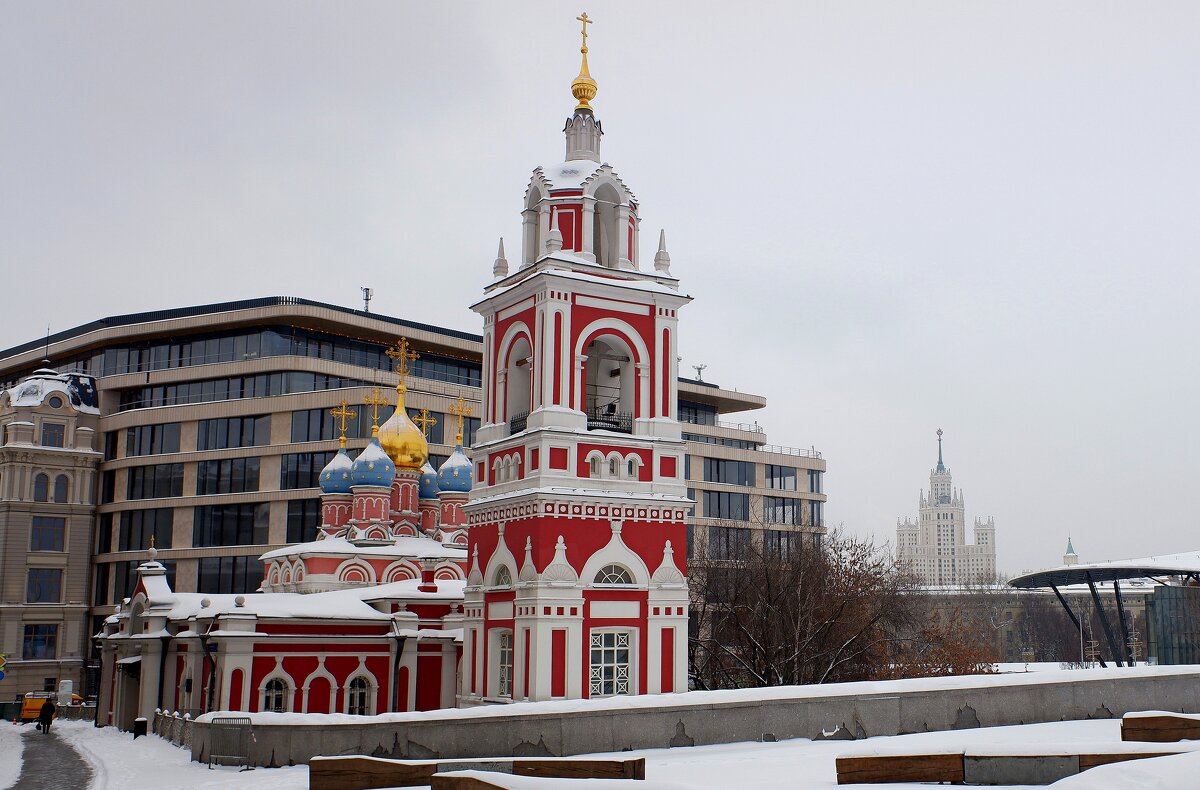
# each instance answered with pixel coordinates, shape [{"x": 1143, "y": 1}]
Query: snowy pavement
[
  {"x": 119, "y": 761},
  {"x": 11, "y": 747}
]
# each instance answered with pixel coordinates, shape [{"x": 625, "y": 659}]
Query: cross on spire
[
  {"x": 376, "y": 401},
  {"x": 583, "y": 18},
  {"x": 425, "y": 421},
  {"x": 402, "y": 356},
  {"x": 342, "y": 412},
  {"x": 460, "y": 409}
]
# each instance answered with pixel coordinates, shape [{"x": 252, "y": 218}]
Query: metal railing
[
  {"x": 605, "y": 420},
  {"x": 802, "y": 452},
  {"x": 517, "y": 423},
  {"x": 736, "y": 426}
]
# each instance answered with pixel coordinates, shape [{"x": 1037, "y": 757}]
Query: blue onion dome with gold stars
[
  {"x": 335, "y": 477},
  {"x": 455, "y": 474},
  {"x": 373, "y": 467},
  {"x": 427, "y": 487}
]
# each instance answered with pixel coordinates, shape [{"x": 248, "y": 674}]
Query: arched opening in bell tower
[
  {"x": 609, "y": 385},
  {"x": 518, "y": 373},
  {"x": 605, "y": 238}
]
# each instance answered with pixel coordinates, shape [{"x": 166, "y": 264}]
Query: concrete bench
[
  {"x": 1157, "y": 726},
  {"x": 365, "y": 773},
  {"x": 983, "y": 767}
]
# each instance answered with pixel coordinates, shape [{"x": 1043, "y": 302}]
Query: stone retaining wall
[{"x": 700, "y": 718}]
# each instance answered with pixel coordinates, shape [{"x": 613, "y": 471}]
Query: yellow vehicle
[{"x": 31, "y": 706}]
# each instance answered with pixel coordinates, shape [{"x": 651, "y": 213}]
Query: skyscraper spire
[{"x": 941, "y": 467}]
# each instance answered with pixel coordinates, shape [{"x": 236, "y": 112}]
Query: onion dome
[
  {"x": 427, "y": 487},
  {"x": 401, "y": 439},
  {"x": 373, "y": 467},
  {"x": 335, "y": 477},
  {"x": 455, "y": 473}
]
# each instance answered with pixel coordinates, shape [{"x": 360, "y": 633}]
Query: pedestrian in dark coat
[{"x": 46, "y": 715}]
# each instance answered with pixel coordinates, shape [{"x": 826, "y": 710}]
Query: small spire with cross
[
  {"x": 460, "y": 409},
  {"x": 425, "y": 421},
  {"x": 583, "y": 88},
  {"x": 376, "y": 401},
  {"x": 402, "y": 357},
  {"x": 342, "y": 412}
]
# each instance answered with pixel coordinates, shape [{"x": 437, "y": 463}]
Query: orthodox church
[{"x": 546, "y": 562}]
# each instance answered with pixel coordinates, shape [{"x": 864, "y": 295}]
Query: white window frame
[{"x": 620, "y": 684}]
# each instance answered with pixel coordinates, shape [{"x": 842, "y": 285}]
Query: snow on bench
[
  {"x": 1160, "y": 726},
  {"x": 365, "y": 773}
]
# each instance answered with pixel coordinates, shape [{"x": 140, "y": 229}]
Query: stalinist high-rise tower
[{"x": 935, "y": 547}]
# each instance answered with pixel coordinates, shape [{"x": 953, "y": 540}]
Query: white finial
[
  {"x": 500, "y": 267},
  {"x": 554, "y": 242},
  {"x": 662, "y": 259}
]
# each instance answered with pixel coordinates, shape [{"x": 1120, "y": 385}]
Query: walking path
[{"x": 50, "y": 763}]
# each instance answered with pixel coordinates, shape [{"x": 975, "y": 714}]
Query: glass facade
[
  {"x": 226, "y": 432},
  {"x": 782, "y": 510},
  {"x": 726, "y": 543},
  {"x": 229, "y": 575},
  {"x": 152, "y": 482},
  {"x": 152, "y": 439},
  {"x": 740, "y": 444},
  {"x": 723, "y": 504},
  {"x": 780, "y": 478},
  {"x": 39, "y": 642},
  {"x": 262, "y": 385},
  {"x": 231, "y": 525},
  {"x": 697, "y": 413},
  {"x": 738, "y": 473},
  {"x": 302, "y": 470},
  {"x": 303, "y": 518},
  {"x": 782, "y": 545},
  {"x": 227, "y": 476},
  {"x": 137, "y": 527}
]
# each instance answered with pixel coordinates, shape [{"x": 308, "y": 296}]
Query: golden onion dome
[
  {"x": 583, "y": 88},
  {"x": 401, "y": 439}
]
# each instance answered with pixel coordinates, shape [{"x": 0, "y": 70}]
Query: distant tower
[
  {"x": 1070, "y": 558},
  {"x": 935, "y": 546}
]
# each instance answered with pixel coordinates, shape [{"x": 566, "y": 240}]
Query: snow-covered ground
[
  {"x": 11, "y": 746},
  {"x": 119, "y": 761}
]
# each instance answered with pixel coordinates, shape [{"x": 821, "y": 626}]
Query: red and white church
[{"x": 546, "y": 562}]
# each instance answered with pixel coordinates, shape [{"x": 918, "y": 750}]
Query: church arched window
[
  {"x": 609, "y": 385},
  {"x": 613, "y": 574},
  {"x": 358, "y": 703},
  {"x": 275, "y": 696},
  {"x": 518, "y": 384},
  {"x": 503, "y": 577},
  {"x": 605, "y": 233}
]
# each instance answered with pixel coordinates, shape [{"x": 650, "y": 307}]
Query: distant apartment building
[
  {"x": 935, "y": 546},
  {"x": 206, "y": 431}
]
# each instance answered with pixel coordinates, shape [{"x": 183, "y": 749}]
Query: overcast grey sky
[{"x": 894, "y": 216}]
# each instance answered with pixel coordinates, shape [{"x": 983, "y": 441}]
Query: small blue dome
[
  {"x": 373, "y": 467},
  {"x": 455, "y": 474},
  {"x": 335, "y": 477},
  {"x": 428, "y": 486}
]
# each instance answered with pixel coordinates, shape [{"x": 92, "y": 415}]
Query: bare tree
[{"x": 770, "y": 617}]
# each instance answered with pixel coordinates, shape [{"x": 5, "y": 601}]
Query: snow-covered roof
[
  {"x": 1183, "y": 564},
  {"x": 650, "y": 498},
  {"x": 79, "y": 391},
  {"x": 419, "y": 547}
]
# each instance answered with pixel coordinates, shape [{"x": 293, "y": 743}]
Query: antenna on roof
[
  {"x": 367, "y": 294},
  {"x": 46, "y": 350},
  {"x": 699, "y": 371}
]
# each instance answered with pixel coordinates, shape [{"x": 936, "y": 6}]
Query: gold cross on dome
[
  {"x": 425, "y": 421},
  {"x": 402, "y": 356},
  {"x": 343, "y": 412},
  {"x": 584, "y": 19},
  {"x": 460, "y": 409},
  {"x": 376, "y": 401}
]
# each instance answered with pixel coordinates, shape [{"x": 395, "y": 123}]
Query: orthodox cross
[
  {"x": 376, "y": 402},
  {"x": 584, "y": 19},
  {"x": 402, "y": 356},
  {"x": 460, "y": 409},
  {"x": 343, "y": 412},
  {"x": 425, "y": 421}
]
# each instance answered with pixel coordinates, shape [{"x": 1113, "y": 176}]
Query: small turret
[
  {"x": 500, "y": 266},
  {"x": 1070, "y": 558},
  {"x": 662, "y": 259}
]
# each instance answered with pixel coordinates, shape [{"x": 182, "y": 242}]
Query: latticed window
[
  {"x": 359, "y": 691},
  {"x": 505, "y": 675},
  {"x": 503, "y": 577},
  {"x": 613, "y": 574},
  {"x": 275, "y": 696},
  {"x": 610, "y": 663}
]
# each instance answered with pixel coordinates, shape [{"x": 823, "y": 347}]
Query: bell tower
[{"x": 577, "y": 585}]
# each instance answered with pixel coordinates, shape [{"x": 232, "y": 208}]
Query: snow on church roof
[{"x": 399, "y": 547}]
